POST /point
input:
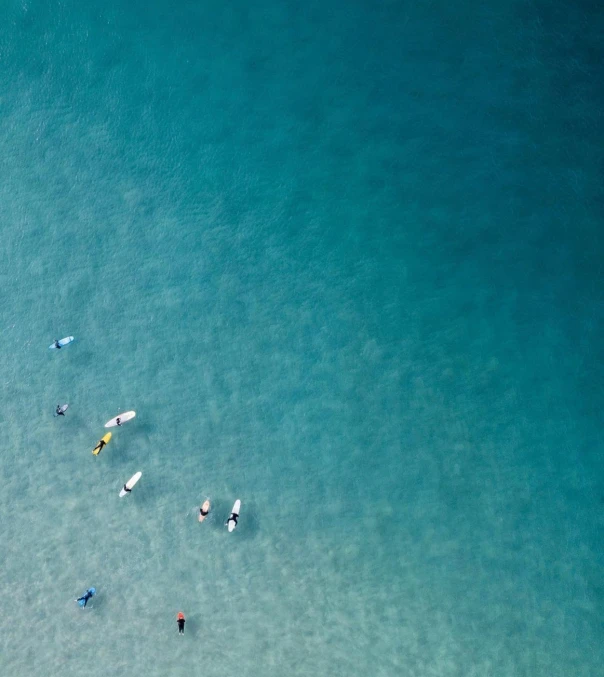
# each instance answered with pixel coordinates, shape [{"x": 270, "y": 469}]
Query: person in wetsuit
[
  {"x": 83, "y": 600},
  {"x": 57, "y": 344},
  {"x": 232, "y": 518},
  {"x": 59, "y": 411},
  {"x": 118, "y": 421},
  {"x": 99, "y": 446},
  {"x": 180, "y": 621}
]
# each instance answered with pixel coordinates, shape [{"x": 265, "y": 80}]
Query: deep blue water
[{"x": 344, "y": 259}]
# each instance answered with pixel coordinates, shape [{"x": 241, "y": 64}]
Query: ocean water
[{"x": 344, "y": 259}]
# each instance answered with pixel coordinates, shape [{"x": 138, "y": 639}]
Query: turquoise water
[{"x": 344, "y": 260}]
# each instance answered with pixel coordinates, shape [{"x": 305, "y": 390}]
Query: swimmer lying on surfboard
[
  {"x": 204, "y": 510},
  {"x": 83, "y": 600},
  {"x": 234, "y": 516}
]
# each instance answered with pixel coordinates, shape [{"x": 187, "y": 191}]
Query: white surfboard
[
  {"x": 231, "y": 523},
  {"x": 63, "y": 342},
  {"x": 126, "y": 416},
  {"x": 127, "y": 488}
]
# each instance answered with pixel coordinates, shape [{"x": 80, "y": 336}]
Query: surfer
[
  {"x": 204, "y": 510},
  {"x": 83, "y": 600},
  {"x": 232, "y": 518},
  {"x": 60, "y": 410},
  {"x": 118, "y": 421},
  {"x": 57, "y": 344},
  {"x": 180, "y": 621},
  {"x": 99, "y": 446},
  {"x": 127, "y": 488}
]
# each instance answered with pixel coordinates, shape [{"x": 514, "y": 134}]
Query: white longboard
[
  {"x": 231, "y": 524},
  {"x": 127, "y": 488},
  {"x": 126, "y": 416},
  {"x": 63, "y": 342}
]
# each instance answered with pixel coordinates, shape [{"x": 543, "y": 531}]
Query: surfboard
[
  {"x": 231, "y": 524},
  {"x": 97, "y": 450},
  {"x": 127, "y": 488},
  {"x": 63, "y": 342},
  {"x": 206, "y": 509},
  {"x": 63, "y": 408},
  {"x": 126, "y": 416}
]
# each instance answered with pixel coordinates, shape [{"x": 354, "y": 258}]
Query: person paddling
[
  {"x": 61, "y": 410},
  {"x": 180, "y": 621},
  {"x": 204, "y": 510},
  {"x": 233, "y": 517},
  {"x": 57, "y": 344},
  {"x": 83, "y": 600},
  {"x": 99, "y": 447}
]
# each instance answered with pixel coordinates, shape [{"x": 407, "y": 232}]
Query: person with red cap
[{"x": 180, "y": 620}]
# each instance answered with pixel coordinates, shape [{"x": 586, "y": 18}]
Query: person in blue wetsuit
[{"x": 83, "y": 600}]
